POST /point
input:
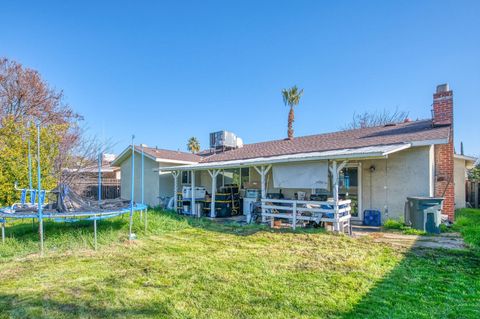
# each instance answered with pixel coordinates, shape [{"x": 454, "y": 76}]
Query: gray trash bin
[{"x": 424, "y": 213}]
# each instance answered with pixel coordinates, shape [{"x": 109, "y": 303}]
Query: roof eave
[
  {"x": 467, "y": 158},
  {"x": 165, "y": 160},
  {"x": 123, "y": 155},
  {"x": 430, "y": 142},
  {"x": 284, "y": 159}
]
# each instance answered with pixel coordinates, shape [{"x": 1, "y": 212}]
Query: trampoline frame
[{"x": 73, "y": 216}]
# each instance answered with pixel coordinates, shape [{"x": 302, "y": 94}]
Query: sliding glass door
[{"x": 350, "y": 185}]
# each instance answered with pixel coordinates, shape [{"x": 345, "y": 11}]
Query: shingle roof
[
  {"x": 169, "y": 154},
  {"x": 422, "y": 130}
]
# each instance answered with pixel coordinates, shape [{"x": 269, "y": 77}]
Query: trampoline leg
[
  {"x": 141, "y": 215},
  {"x": 95, "y": 232},
  {"x": 3, "y": 232},
  {"x": 130, "y": 228},
  {"x": 146, "y": 220},
  {"x": 40, "y": 232}
]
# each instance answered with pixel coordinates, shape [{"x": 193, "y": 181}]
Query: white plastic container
[
  {"x": 252, "y": 193},
  {"x": 199, "y": 193}
]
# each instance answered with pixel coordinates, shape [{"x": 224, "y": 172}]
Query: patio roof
[{"x": 378, "y": 151}]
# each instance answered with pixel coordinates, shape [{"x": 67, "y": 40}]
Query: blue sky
[{"x": 169, "y": 70}]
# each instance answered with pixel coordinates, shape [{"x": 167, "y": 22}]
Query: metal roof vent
[{"x": 390, "y": 124}]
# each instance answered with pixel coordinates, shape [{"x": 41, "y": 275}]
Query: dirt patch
[{"x": 445, "y": 241}]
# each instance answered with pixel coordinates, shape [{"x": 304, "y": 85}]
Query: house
[
  {"x": 156, "y": 186},
  {"x": 461, "y": 166},
  {"x": 373, "y": 168}
]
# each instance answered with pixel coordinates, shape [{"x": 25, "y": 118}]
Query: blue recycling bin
[{"x": 372, "y": 217}]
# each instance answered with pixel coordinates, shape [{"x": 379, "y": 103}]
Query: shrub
[{"x": 393, "y": 224}]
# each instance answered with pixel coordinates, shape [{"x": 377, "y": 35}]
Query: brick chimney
[{"x": 444, "y": 181}]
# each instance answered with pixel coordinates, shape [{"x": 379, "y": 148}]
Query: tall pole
[
  {"x": 39, "y": 186},
  {"x": 100, "y": 157},
  {"x": 132, "y": 190},
  {"x": 143, "y": 179},
  {"x": 99, "y": 178},
  {"x": 30, "y": 186},
  {"x": 141, "y": 183},
  {"x": 142, "y": 176}
]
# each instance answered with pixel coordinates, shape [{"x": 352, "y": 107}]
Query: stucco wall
[
  {"x": 407, "y": 173},
  {"x": 459, "y": 178},
  {"x": 157, "y": 185},
  {"x": 151, "y": 188}
]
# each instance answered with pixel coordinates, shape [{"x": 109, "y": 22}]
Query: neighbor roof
[{"x": 422, "y": 132}]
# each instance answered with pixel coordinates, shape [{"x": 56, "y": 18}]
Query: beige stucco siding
[
  {"x": 402, "y": 174},
  {"x": 151, "y": 180},
  {"x": 157, "y": 186},
  {"x": 459, "y": 176},
  {"x": 406, "y": 173}
]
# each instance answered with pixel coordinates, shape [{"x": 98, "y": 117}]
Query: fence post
[
  {"x": 337, "y": 219},
  {"x": 294, "y": 211},
  {"x": 476, "y": 187}
]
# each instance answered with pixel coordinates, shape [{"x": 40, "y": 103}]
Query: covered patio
[{"x": 324, "y": 176}]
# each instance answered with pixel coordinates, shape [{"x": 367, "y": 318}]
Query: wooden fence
[
  {"x": 89, "y": 188},
  {"x": 473, "y": 190}
]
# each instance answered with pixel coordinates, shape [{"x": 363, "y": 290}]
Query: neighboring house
[
  {"x": 462, "y": 165},
  {"x": 156, "y": 187},
  {"x": 86, "y": 178},
  {"x": 382, "y": 165}
]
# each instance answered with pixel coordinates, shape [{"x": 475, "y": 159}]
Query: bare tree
[
  {"x": 26, "y": 97},
  {"x": 377, "y": 118}
]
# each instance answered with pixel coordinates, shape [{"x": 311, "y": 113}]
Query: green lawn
[
  {"x": 467, "y": 222},
  {"x": 186, "y": 268}
]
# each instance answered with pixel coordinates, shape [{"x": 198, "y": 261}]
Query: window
[
  {"x": 234, "y": 176},
  {"x": 348, "y": 178},
  {"x": 186, "y": 177},
  {"x": 244, "y": 176}
]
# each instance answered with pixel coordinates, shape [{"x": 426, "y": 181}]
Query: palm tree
[
  {"x": 291, "y": 98},
  {"x": 193, "y": 145}
]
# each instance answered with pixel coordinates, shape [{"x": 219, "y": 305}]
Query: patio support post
[
  {"x": 175, "y": 189},
  {"x": 335, "y": 170},
  {"x": 263, "y": 171},
  {"x": 193, "y": 209},
  {"x": 213, "y": 174}
]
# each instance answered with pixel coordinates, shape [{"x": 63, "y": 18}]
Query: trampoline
[{"x": 65, "y": 205}]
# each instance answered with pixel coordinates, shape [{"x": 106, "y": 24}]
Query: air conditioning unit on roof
[{"x": 224, "y": 140}]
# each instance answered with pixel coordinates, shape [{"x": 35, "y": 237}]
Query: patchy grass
[
  {"x": 467, "y": 222},
  {"x": 188, "y": 268},
  {"x": 392, "y": 224}
]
